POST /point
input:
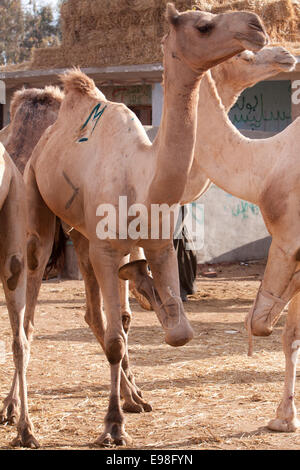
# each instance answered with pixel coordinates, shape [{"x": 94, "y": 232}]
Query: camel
[
  {"x": 13, "y": 273},
  {"x": 82, "y": 143},
  {"x": 264, "y": 165},
  {"x": 265, "y": 173},
  {"x": 32, "y": 111}
]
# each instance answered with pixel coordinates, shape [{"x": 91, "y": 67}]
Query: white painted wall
[
  {"x": 233, "y": 229},
  {"x": 157, "y": 103}
]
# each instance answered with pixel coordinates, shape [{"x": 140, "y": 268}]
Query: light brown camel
[
  {"x": 252, "y": 170},
  {"x": 13, "y": 273},
  {"x": 265, "y": 173},
  {"x": 93, "y": 136},
  {"x": 32, "y": 111}
]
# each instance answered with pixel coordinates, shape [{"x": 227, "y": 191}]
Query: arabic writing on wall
[
  {"x": 240, "y": 208},
  {"x": 265, "y": 107}
]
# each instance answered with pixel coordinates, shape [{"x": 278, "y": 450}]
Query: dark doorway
[{"x": 143, "y": 113}]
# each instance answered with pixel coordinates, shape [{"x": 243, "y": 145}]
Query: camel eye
[{"x": 206, "y": 28}]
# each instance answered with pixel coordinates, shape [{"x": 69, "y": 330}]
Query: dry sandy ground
[{"x": 206, "y": 395}]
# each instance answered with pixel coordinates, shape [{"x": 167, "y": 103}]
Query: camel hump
[
  {"x": 76, "y": 80},
  {"x": 30, "y": 97}
]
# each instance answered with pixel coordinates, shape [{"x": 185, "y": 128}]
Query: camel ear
[{"x": 172, "y": 14}]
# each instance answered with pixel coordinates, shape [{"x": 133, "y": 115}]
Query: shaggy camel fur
[
  {"x": 32, "y": 111},
  {"x": 13, "y": 273},
  {"x": 196, "y": 41}
]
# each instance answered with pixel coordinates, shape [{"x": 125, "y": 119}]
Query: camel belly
[{"x": 62, "y": 192}]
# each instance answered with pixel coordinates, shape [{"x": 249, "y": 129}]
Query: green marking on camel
[{"x": 95, "y": 116}]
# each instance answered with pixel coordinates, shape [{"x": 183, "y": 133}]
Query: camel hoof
[
  {"x": 12, "y": 420},
  {"x": 8, "y": 420},
  {"x": 284, "y": 425},
  {"x": 27, "y": 440},
  {"x": 147, "y": 407},
  {"x": 10, "y": 414},
  {"x": 107, "y": 440},
  {"x": 130, "y": 407}
]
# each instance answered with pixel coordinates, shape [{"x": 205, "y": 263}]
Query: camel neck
[
  {"x": 230, "y": 160},
  {"x": 176, "y": 137},
  {"x": 228, "y": 91}
]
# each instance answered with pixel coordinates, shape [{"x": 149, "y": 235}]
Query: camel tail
[
  {"x": 75, "y": 80},
  {"x": 57, "y": 258}
]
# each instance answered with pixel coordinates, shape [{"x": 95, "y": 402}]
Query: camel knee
[
  {"x": 115, "y": 349},
  {"x": 14, "y": 269}
]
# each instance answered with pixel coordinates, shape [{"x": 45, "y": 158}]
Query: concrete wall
[
  {"x": 233, "y": 229},
  {"x": 157, "y": 103},
  {"x": 265, "y": 107}
]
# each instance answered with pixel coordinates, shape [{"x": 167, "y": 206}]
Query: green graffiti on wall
[{"x": 254, "y": 113}]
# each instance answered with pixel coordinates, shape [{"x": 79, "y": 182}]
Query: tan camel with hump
[
  {"x": 234, "y": 75},
  {"x": 81, "y": 162},
  {"x": 266, "y": 173},
  {"x": 13, "y": 273},
  {"x": 32, "y": 111}
]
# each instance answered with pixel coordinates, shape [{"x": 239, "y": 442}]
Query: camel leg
[
  {"x": 13, "y": 271},
  {"x": 10, "y": 412},
  {"x": 137, "y": 253},
  {"x": 162, "y": 290},
  {"x": 280, "y": 282},
  {"x": 41, "y": 230},
  {"x": 286, "y": 415},
  {"x": 168, "y": 307},
  {"x": 105, "y": 263},
  {"x": 95, "y": 318}
]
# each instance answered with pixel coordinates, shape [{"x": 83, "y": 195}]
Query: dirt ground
[{"x": 206, "y": 395}]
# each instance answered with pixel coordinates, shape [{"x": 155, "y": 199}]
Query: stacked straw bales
[{"x": 116, "y": 32}]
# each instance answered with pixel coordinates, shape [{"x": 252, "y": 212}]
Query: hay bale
[{"x": 119, "y": 32}]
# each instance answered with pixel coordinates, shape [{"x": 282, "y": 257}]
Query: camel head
[
  {"x": 248, "y": 68},
  {"x": 202, "y": 39}
]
